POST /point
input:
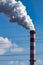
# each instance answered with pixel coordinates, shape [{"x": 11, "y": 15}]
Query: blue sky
[{"x": 18, "y": 37}]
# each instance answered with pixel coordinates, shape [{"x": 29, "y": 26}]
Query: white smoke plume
[{"x": 16, "y": 12}]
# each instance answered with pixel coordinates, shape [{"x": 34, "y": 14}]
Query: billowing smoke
[{"x": 16, "y": 12}]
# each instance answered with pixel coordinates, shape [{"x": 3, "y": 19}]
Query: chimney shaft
[{"x": 32, "y": 47}]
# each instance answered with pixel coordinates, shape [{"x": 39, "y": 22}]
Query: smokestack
[
  {"x": 32, "y": 47},
  {"x": 16, "y": 12}
]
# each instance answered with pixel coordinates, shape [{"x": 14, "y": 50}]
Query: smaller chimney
[{"x": 32, "y": 47}]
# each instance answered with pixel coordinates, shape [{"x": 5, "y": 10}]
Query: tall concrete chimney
[{"x": 32, "y": 47}]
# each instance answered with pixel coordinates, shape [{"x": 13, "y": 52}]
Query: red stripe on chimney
[
  {"x": 32, "y": 47},
  {"x": 32, "y": 39},
  {"x": 32, "y": 56}
]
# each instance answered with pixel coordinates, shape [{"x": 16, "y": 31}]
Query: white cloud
[
  {"x": 39, "y": 61},
  {"x": 22, "y": 63},
  {"x": 2, "y": 51},
  {"x": 17, "y": 50},
  {"x": 11, "y": 62},
  {"x": 5, "y": 44},
  {"x": 16, "y": 63}
]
